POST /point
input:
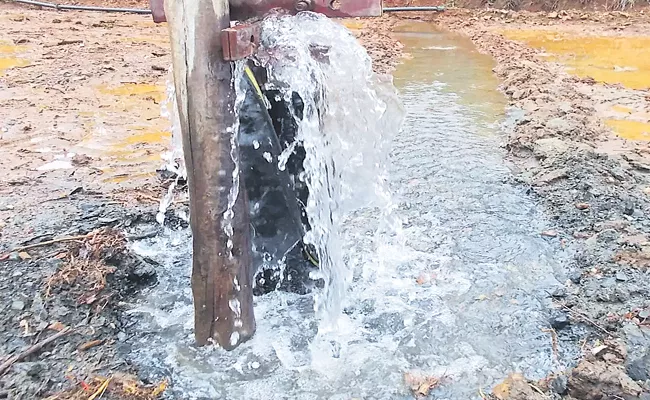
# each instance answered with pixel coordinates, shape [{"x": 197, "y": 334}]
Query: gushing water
[
  {"x": 449, "y": 280},
  {"x": 348, "y": 121}
]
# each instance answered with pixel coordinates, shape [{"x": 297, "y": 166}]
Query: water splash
[
  {"x": 349, "y": 118},
  {"x": 229, "y": 214},
  {"x": 175, "y": 162}
]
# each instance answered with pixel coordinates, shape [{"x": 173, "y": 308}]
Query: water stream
[{"x": 458, "y": 288}]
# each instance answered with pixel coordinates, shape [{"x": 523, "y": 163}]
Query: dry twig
[
  {"x": 587, "y": 319},
  {"x": 32, "y": 349},
  {"x": 48, "y": 242},
  {"x": 554, "y": 342}
]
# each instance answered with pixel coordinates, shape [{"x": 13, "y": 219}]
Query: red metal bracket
[{"x": 240, "y": 41}]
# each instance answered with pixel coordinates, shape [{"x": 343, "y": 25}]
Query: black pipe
[
  {"x": 83, "y": 8},
  {"x": 394, "y": 9}
]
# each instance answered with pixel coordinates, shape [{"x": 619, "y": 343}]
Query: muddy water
[
  {"x": 623, "y": 60},
  {"x": 10, "y": 56},
  {"x": 126, "y": 149},
  {"x": 460, "y": 290}
]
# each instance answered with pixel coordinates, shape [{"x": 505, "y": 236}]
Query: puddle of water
[
  {"x": 631, "y": 130},
  {"x": 460, "y": 290},
  {"x": 146, "y": 135},
  {"x": 138, "y": 91},
  {"x": 7, "y": 56},
  {"x": 12, "y": 62},
  {"x": 127, "y": 150},
  {"x": 622, "y": 109},
  {"x": 352, "y": 24},
  {"x": 624, "y": 60}
]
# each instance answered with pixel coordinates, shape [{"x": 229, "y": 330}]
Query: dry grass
[
  {"x": 120, "y": 386},
  {"x": 621, "y": 5},
  {"x": 512, "y": 4},
  {"x": 550, "y": 5},
  {"x": 85, "y": 266}
]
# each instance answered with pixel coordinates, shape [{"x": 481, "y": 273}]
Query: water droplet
[{"x": 234, "y": 338}]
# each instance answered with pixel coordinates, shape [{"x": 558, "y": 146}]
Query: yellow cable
[{"x": 253, "y": 81}]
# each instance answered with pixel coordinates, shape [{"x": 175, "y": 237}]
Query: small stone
[
  {"x": 559, "y": 292},
  {"x": 121, "y": 336},
  {"x": 18, "y": 305},
  {"x": 36, "y": 369},
  {"x": 559, "y": 384},
  {"x": 621, "y": 277},
  {"x": 596, "y": 351},
  {"x": 13, "y": 256},
  {"x": 575, "y": 276},
  {"x": 582, "y": 206},
  {"x": 607, "y": 282},
  {"x": 639, "y": 369},
  {"x": 628, "y": 207},
  {"x": 549, "y": 233},
  {"x": 644, "y": 314},
  {"x": 559, "y": 321}
]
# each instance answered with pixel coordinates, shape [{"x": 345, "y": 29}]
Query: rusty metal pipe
[{"x": 83, "y": 8}]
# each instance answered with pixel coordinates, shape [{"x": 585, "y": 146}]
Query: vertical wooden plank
[{"x": 221, "y": 279}]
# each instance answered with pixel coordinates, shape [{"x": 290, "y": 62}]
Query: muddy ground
[{"x": 80, "y": 126}]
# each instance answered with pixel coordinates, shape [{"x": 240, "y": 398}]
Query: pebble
[
  {"x": 639, "y": 369},
  {"x": 18, "y": 305},
  {"x": 559, "y": 384},
  {"x": 121, "y": 336},
  {"x": 14, "y": 256},
  {"x": 607, "y": 282},
  {"x": 575, "y": 276},
  {"x": 549, "y": 233},
  {"x": 621, "y": 277},
  {"x": 644, "y": 314},
  {"x": 582, "y": 206},
  {"x": 559, "y": 321}
]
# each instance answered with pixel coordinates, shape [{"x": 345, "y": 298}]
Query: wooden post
[{"x": 221, "y": 279}]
